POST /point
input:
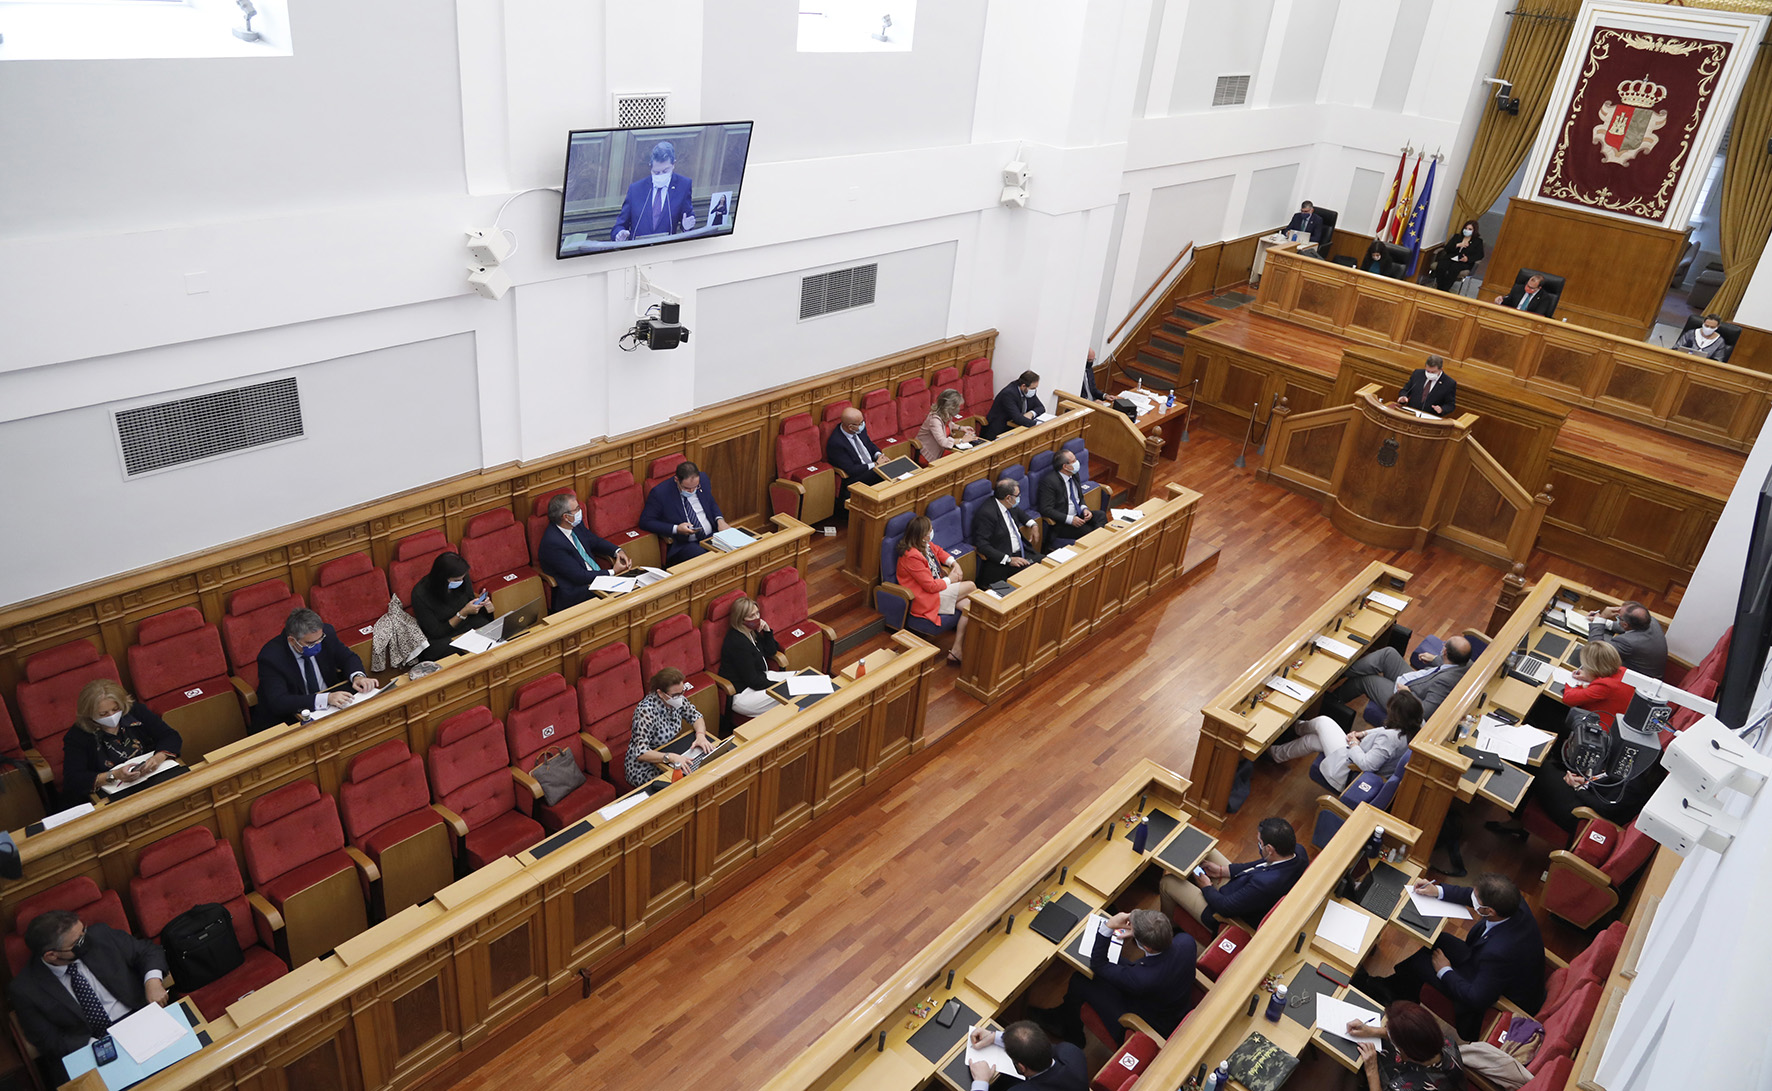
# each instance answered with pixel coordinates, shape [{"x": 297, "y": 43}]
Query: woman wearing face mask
[
  {"x": 1704, "y": 339},
  {"x": 446, "y": 604},
  {"x": 1375, "y": 261},
  {"x": 110, "y": 728},
  {"x": 749, "y": 653},
  {"x": 938, "y": 434},
  {"x": 1459, "y": 256},
  {"x": 660, "y": 717},
  {"x": 936, "y": 585}
]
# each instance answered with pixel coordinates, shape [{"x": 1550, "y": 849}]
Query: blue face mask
[
  {"x": 311, "y": 650},
  {"x": 453, "y": 584}
]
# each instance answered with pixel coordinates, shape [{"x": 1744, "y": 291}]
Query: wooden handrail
[{"x": 1162, "y": 278}]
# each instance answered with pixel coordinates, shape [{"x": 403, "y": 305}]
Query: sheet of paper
[
  {"x": 994, "y": 1055},
  {"x": 1389, "y": 602},
  {"x": 1343, "y": 926},
  {"x": 1093, "y": 928},
  {"x": 619, "y": 585},
  {"x": 359, "y": 698},
  {"x": 113, "y": 789},
  {"x": 1438, "y": 907},
  {"x": 1130, "y": 515},
  {"x": 733, "y": 538},
  {"x": 50, "y": 822},
  {"x": 1501, "y": 741},
  {"x": 1290, "y": 688},
  {"x": 623, "y": 804},
  {"x": 802, "y": 684},
  {"x": 650, "y": 576},
  {"x": 1334, "y": 1015},
  {"x": 1062, "y": 555},
  {"x": 1563, "y": 675},
  {"x": 778, "y": 676},
  {"x": 473, "y": 642},
  {"x": 962, "y": 445},
  {"x": 1336, "y": 647},
  {"x": 1578, "y": 622},
  {"x": 1044, "y": 417},
  {"x": 147, "y": 1031}
]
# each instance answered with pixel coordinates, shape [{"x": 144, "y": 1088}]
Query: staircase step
[
  {"x": 1195, "y": 318},
  {"x": 1171, "y": 343},
  {"x": 1160, "y": 350},
  {"x": 1152, "y": 368}
]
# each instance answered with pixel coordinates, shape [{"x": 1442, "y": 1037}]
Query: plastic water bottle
[
  {"x": 1141, "y": 835},
  {"x": 1276, "y": 1004},
  {"x": 1170, "y": 404},
  {"x": 1220, "y": 1079}
]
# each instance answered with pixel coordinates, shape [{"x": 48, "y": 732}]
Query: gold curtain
[
  {"x": 1747, "y": 188},
  {"x": 1534, "y": 52}
]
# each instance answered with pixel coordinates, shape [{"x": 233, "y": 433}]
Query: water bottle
[
  {"x": 1170, "y": 404},
  {"x": 1141, "y": 835},
  {"x": 1276, "y": 1004},
  {"x": 1220, "y": 1079}
]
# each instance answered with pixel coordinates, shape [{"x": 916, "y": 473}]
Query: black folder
[
  {"x": 1481, "y": 759},
  {"x": 1552, "y": 645},
  {"x": 896, "y": 468},
  {"x": 1054, "y": 922},
  {"x": 1162, "y": 823},
  {"x": 1186, "y": 850},
  {"x": 1416, "y": 921}
]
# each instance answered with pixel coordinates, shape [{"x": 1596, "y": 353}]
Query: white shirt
[
  {"x": 307, "y": 677},
  {"x": 1071, "y": 498},
  {"x": 1009, "y": 521},
  {"x": 114, "y": 1008},
  {"x": 692, "y": 512},
  {"x": 861, "y": 450}
]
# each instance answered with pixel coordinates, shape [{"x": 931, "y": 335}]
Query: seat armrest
[
  {"x": 264, "y": 910},
  {"x": 40, "y": 765},
  {"x": 246, "y": 692},
  {"x": 1554, "y": 959},
  {"x": 1334, "y": 803},
  {"x": 365, "y": 865},
  {"x": 1586, "y": 814},
  {"x": 830, "y": 634},
  {"x": 722, "y": 683},
  {"x": 547, "y": 579},
  {"x": 528, "y": 782},
  {"x": 1563, "y": 858},
  {"x": 1133, "y": 1022},
  {"x": 456, "y": 822},
  {"x": 785, "y": 483},
  {"x": 781, "y": 660},
  {"x": 596, "y": 746}
]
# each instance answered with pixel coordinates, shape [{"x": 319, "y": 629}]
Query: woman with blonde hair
[
  {"x": 936, "y": 437},
  {"x": 111, "y": 728},
  {"x": 746, "y": 658}
]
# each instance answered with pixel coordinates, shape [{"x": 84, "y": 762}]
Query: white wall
[{"x": 1707, "y": 608}]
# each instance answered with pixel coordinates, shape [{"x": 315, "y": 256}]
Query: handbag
[
  {"x": 558, "y": 774},
  {"x": 201, "y": 946},
  {"x": 1522, "y": 1038}
]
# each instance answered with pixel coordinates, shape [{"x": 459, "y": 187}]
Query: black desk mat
[
  {"x": 1509, "y": 784},
  {"x": 1302, "y": 992},
  {"x": 1342, "y": 1045},
  {"x": 934, "y": 1040},
  {"x": 1186, "y": 850},
  {"x": 562, "y": 839},
  {"x": 1552, "y": 645},
  {"x": 1415, "y": 920},
  {"x": 1161, "y": 824},
  {"x": 805, "y": 700},
  {"x": 1054, "y": 922}
]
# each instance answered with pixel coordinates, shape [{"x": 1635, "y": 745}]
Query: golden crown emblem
[{"x": 1644, "y": 92}]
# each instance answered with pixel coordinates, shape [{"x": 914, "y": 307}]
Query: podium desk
[
  {"x": 1057, "y": 605},
  {"x": 1254, "y": 711}
]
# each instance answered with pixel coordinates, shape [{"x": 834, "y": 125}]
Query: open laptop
[{"x": 504, "y": 627}]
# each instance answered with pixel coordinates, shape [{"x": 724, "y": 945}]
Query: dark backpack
[{"x": 200, "y": 946}]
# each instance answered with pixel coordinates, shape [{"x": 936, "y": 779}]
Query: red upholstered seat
[
  {"x": 1565, "y": 1028},
  {"x": 880, "y": 411},
  {"x": 80, "y": 896},
  {"x": 1554, "y": 1076},
  {"x": 945, "y": 378},
  {"x": 10, "y": 746},
  {"x": 294, "y": 842},
  {"x": 1701, "y": 681},
  {"x": 180, "y": 672},
  {"x": 1593, "y": 964},
  {"x": 256, "y": 613},
  {"x": 673, "y": 642},
  {"x": 782, "y": 597},
  {"x": 191, "y": 868},
  {"x": 978, "y": 387},
  {"x": 51, "y": 689},
  {"x": 1216, "y": 958},
  {"x": 384, "y": 798},
  {"x": 537, "y": 523},
  {"x": 1586, "y": 878},
  {"x": 1129, "y": 1062},
  {"x": 661, "y": 468},
  {"x": 609, "y": 687},
  {"x": 470, "y": 772},
  {"x": 913, "y": 405},
  {"x": 413, "y": 556},
  {"x": 798, "y": 453},
  {"x": 716, "y": 621},
  {"x": 829, "y": 421},
  {"x": 616, "y": 503},
  {"x": 351, "y": 595},
  {"x": 805, "y": 485},
  {"x": 494, "y": 547},
  {"x": 544, "y": 718}
]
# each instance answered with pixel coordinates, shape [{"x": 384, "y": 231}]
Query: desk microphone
[
  {"x": 1063, "y": 874},
  {"x": 881, "y": 1048},
  {"x": 1253, "y": 1001},
  {"x": 1298, "y": 944},
  {"x": 1143, "y": 797},
  {"x": 950, "y": 984},
  {"x": 1009, "y": 926},
  {"x": 1110, "y": 835}
]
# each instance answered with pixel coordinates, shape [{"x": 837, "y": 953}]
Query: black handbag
[{"x": 200, "y": 946}]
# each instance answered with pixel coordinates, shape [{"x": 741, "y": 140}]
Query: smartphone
[
  {"x": 485, "y": 596},
  {"x": 104, "y": 1050},
  {"x": 1199, "y": 873}
]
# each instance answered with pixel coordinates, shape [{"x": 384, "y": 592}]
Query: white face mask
[
  {"x": 575, "y": 518},
  {"x": 675, "y": 702},
  {"x": 112, "y": 720},
  {"x": 1468, "y": 232},
  {"x": 453, "y": 584},
  {"x": 661, "y": 180},
  {"x": 1032, "y": 390},
  {"x": 1071, "y": 468}
]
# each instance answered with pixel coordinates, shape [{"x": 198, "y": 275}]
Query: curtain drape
[
  {"x": 1747, "y": 188},
  {"x": 1534, "y": 51}
]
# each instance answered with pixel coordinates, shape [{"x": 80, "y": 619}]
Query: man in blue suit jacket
[
  {"x": 1430, "y": 389},
  {"x": 683, "y": 513},
  {"x": 851, "y": 450},
  {"x": 297, "y": 670},
  {"x": 1041, "y": 1062},
  {"x": 658, "y": 204},
  {"x": 568, "y": 554},
  {"x": 1017, "y": 405},
  {"x": 1307, "y": 221},
  {"x": 1157, "y": 988},
  {"x": 1245, "y": 891},
  {"x": 1503, "y": 955}
]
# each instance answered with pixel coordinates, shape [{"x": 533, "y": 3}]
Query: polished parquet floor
[{"x": 742, "y": 989}]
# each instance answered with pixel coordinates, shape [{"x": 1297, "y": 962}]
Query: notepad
[
  {"x": 357, "y": 699},
  {"x": 1337, "y": 648},
  {"x": 146, "y": 1031},
  {"x": 1130, "y": 515},
  {"x": 994, "y": 1055},
  {"x": 473, "y": 642},
  {"x": 1334, "y": 1015},
  {"x": 732, "y": 538},
  {"x": 1044, "y": 417},
  {"x": 1438, "y": 907},
  {"x": 1062, "y": 555},
  {"x": 113, "y": 789},
  {"x": 1343, "y": 926},
  {"x": 618, "y": 585},
  {"x": 650, "y": 576},
  {"x": 802, "y": 684},
  {"x": 1290, "y": 688},
  {"x": 1389, "y": 602},
  {"x": 1092, "y": 936}
]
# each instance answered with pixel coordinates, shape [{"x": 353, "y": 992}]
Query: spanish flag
[
  {"x": 1390, "y": 203},
  {"x": 1400, "y": 220}
]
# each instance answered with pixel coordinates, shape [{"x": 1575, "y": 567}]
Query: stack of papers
[
  {"x": 1044, "y": 417},
  {"x": 994, "y": 1055},
  {"x": 473, "y": 642},
  {"x": 359, "y": 698},
  {"x": 800, "y": 685},
  {"x": 1437, "y": 907},
  {"x": 1339, "y": 649},
  {"x": 732, "y": 538},
  {"x": 1389, "y": 602},
  {"x": 1092, "y": 936},
  {"x": 615, "y": 585},
  {"x": 1342, "y": 926},
  {"x": 1513, "y": 742},
  {"x": 1062, "y": 555},
  {"x": 623, "y": 804},
  {"x": 1130, "y": 515},
  {"x": 1290, "y": 688},
  {"x": 113, "y": 789}
]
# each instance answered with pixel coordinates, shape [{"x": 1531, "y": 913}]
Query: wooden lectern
[{"x": 1391, "y": 472}]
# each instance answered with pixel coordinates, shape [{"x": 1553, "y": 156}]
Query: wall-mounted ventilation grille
[
  {"x": 639, "y": 111},
  {"x": 1231, "y": 91},
  {"x": 154, "y": 437},
  {"x": 837, "y": 290}
]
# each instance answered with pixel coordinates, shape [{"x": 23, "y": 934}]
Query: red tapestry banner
[{"x": 1629, "y": 131}]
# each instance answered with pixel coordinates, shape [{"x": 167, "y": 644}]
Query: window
[
  {"x": 856, "y": 26},
  {"x": 1231, "y": 91},
  {"x": 74, "y": 30}
]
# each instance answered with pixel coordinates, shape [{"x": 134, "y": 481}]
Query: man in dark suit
[
  {"x": 1015, "y": 405},
  {"x": 1379, "y": 674},
  {"x": 1157, "y": 987},
  {"x": 1633, "y": 630},
  {"x": 1244, "y": 891},
  {"x": 568, "y": 553},
  {"x": 298, "y": 669},
  {"x": 1430, "y": 389},
  {"x": 852, "y": 451},
  {"x": 660, "y": 203},
  {"x": 1089, "y": 390},
  {"x": 1528, "y": 297},
  {"x": 80, "y": 979},
  {"x": 1502, "y": 955},
  {"x": 1061, "y": 501},
  {"x": 999, "y": 533},
  {"x": 1041, "y": 1062},
  {"x": 1307, "y": 221},
  {"x": 682, "y": 512}
]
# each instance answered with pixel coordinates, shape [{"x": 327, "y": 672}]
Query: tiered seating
[
  {"x": 80, "y": 896},
  {"x": 830, "y": 422},
  {"x": 1088, "y": 485},
  {"x": 316, "y": 886},
  {"x": 661, "y": 469},
  {"x": 673, "y": 642},
  {"x": 20, "y": 803},
  {"x": 544, "y": 720},
  {"x": 1701, "y": 680},
  {"x": 537, "y": 525},
  {"x": 913, "y": 405},
  {"x": 944, "y": 520},
  {"x": 181, "y": 674},
  {"x": 614, "y": 515},
  {"x": 472, "y": 788},
  {"x": 948, "y": 378},
  {"x": 351, "y": 595},
  {"x": 1128, "y": 1063},
  {"x": 805, "y": 642},
  {"x": 880, "y": 410},
  {"x": 386, "y": 807},
  {"x": 1586, "y": 879},
  {"x": 806, "y": 485},
  {"x": 192, "y": 868},
  {"x": 413, "y": 557},
  {"x": 498, "y": 559},
  {"x": 1371, "y": 788},
  {"x": 51, "y": 690},
  {"x": 609, "y": 686},
  {"x": 256, "y": 613},
  {"x": 978, "y": 387}
]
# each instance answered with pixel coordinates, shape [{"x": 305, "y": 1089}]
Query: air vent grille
[
  {"x": 1231, "y": 91},
  {"x": 640, "y": 111},
  {"x": 837, "y": 290},
  {"x": 155, "y": 437}
]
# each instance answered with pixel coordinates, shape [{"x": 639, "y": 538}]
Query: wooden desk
[
  {"x": 1055, "y": 606},
  {"x": 1168, "y": 418},
  {"x": 981, "y": 959},
  {"x": 1249, "y": 715}
]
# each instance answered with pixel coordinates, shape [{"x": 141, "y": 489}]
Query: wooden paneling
[{"x": 1615, "y": 271}]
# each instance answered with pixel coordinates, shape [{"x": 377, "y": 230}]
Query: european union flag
[{"x": 1418, "y": 219}]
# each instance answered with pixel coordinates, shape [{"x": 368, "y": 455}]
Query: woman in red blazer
[
  {"x": 1599, "y": 684},
  {"x": 937, "y": 588}
]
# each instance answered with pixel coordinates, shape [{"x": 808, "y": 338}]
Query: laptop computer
[{"x": 510, "y": 625}]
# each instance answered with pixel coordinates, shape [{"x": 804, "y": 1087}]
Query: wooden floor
[{"x": 757, "y": 979}]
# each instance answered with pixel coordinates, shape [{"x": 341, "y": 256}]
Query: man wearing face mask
[
  {"x": 1157, "y": 987},
  {"x": 1502, "y": 955},
  {"x": 659, "y": 203},
  {"x": 298, "y": 670},
  {"x": 1016, "y": 405},
  {"x": 682, "y": 512},
  {"x": 661, "y": 716},
  {"x": 852, "y": 451},
  {"x": 1061, "y": 502},
  {"x": 1041, "y": 1062},
  {"x": 1000, "y": 534},
  {"x": 1246, "y": 891},
  {"x": 81, "y": 978},
  {"x": 572, "y": 556}
]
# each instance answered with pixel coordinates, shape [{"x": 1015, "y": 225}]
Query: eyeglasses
[{"x": 74, "y": 949}]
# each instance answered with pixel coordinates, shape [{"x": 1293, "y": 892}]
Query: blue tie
[{"x": 90, "y": 1005}]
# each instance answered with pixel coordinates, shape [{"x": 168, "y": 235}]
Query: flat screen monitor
[{"x": 627, "y": 188}]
